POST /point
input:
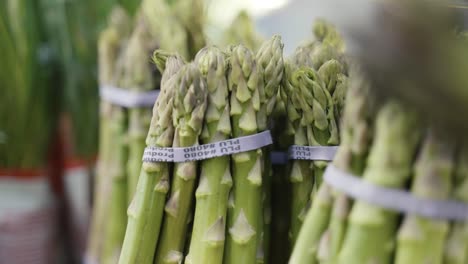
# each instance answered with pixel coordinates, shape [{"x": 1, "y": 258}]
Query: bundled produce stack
[
  {"x": 27, "y": 206},
  {"x": 218, "y": 208},
  {"x": 396, "y": 191},
  {"x": 199, "y": 102},
  {"x": 242, "y": 31},
  {"x": 388, "y": 147},
  {"x": 369, "y": 181},
  {"x": 126, "y": 72}
]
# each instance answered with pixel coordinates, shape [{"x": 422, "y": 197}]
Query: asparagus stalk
[
  {"x": 270, "y": 60},
  {"x": 246, "y": 96},
  {"x": 145, "y": 213},
  {"x": 456, "y": 245},
  {"x": 371, "y": 230},
  {"x": 189, "y": 111},
  {"x": 208, "y": 235},
  {"x": 422, "y": 240}
]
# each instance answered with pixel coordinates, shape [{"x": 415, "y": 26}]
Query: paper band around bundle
[
  {"x": 295, "y": 152},
  {"x": 128, "y": 98},
  {"x": 394, "y": 199},
  {"x": 208, "y": 151},
  {"x": 325, "y": 153}
]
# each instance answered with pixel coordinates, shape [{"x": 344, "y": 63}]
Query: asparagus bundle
[
  {"x": 340, "y": 230},
  {"x": 355, "y": 135},
  {"x": 134, "y": 72},
  {"x": 145, "y": 213},
  {"x": 314, "y": 120},
  {"x": 189, "y": 111},
  {"x": 110, "y": 44},
  {"x": 208, "y": 236},
  {"x": 176, "y": 25},
  {"x": 301, "y": 174},
  {"x": 242, "y": 31}
]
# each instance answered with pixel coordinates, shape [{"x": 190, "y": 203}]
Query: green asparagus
[
  {"x": 371, "y": 230},
  {"x": 270, "y": 60},
  {"x": 247, "y": 94},
  {"x": 190, "y": 103},
  {"x": 421, "y": 240},
  {"x": 145, "y": 213},
  {"x": 208, "y": 235}
]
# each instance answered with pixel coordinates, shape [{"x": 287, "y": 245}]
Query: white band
[
  {"x": 208, "y": 151},
  {"x": 128, "y": 98},
  {"x": 326, "y": 153},
  {"x": 394, "y": 199}
]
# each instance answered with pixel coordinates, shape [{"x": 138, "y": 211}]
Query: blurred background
[{"x": 50, "y": 108}]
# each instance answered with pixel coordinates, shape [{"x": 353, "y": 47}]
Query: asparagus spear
[
  {"x": 456, "y": 245},
  {"x": 246, "y": 97},
  {"x": 421, "y": 240},
  {"x": 145, "y": 212},
  {"x": 270, "y": 60},
  {"x": 371, "y": 229},
  {"x": 189, "y": 111},
  {"x": 208, "y": 236}
]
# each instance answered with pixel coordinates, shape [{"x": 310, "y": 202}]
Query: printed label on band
[
  {"x": 128, "y": 98},
  {"x": 325, "y": 153},
  {"x": 394, "y": 199},
  {"x": 207, "y": 151}
]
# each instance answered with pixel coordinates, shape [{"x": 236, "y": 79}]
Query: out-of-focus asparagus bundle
[
  {"x": 104, "y": 233},
  {"x": 242, "y": 31},
  {"x": 403, "y": 155},
  {"x": 177, "y": 26},
  {"x": 315, "y": 102}
]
